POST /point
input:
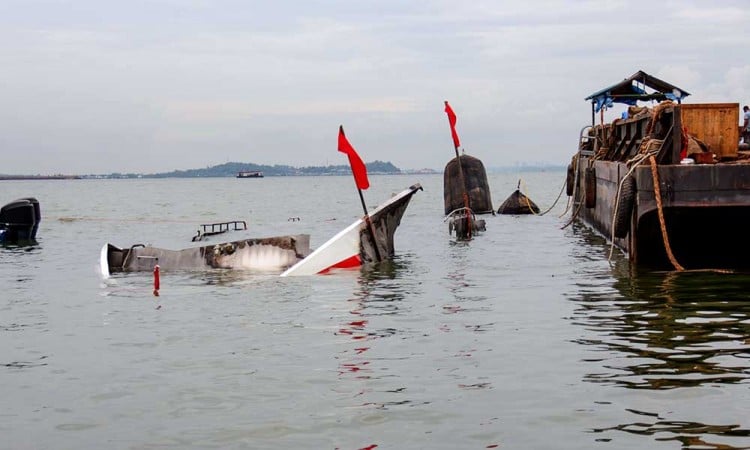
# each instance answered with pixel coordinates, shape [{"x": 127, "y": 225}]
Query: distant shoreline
[
  {"x": 38, "y": 177},
  {"x": 345, "y": 171}
]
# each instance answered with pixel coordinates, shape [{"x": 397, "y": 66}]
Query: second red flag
[
  {"x": 452, "y": 121},
  {"x": 358, "y": 167}
]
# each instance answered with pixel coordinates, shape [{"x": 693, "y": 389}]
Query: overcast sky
[{"x": 96, "y": 86}]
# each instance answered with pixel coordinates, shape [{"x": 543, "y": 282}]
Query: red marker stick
[{"x": 156, "y": 280}]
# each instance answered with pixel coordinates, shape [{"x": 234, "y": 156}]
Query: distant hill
[{"x": 231, "y": 169}]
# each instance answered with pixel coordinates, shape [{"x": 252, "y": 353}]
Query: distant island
[{"x": 231, "y": 169}]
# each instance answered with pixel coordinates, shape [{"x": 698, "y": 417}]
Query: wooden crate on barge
[{"x": 715, "y": 124}]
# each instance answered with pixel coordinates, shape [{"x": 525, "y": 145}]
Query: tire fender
[{"x": 625, "y": 205}]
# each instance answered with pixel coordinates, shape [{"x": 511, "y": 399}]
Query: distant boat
[{"x": 250, "y": 174}]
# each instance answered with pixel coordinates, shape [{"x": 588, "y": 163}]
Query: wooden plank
[{"x": 715, "y": 124}]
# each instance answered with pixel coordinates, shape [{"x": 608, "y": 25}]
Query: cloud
[{"x": 163, "y": 81}]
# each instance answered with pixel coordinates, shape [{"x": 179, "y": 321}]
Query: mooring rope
[
  {"x": 573, "y": 216},
  {"x": 662, "y": 224},
  {"x": 572, "y": 199},
  {"x": 528, "y": 202},
  {"x": 636, "y": 161},
  {"x": 640, "y": 159}
]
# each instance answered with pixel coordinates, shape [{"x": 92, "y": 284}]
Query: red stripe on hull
[{"x": 348, "y": 263}]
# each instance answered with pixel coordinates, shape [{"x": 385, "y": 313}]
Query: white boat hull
[{"x": 355, "y": 245}]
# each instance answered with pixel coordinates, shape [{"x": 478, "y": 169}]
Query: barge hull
[{"x": 706, "y": 211}]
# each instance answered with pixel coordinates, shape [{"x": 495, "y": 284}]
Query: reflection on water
[
  {"x": 670, "y": 330},
  {"x": 378, "y": 300},
  {"x": 20, "y": 311},
  {"x": 688, "y": 433},
  {"x": 663, "y": 331},
  {"x": 525, "y": 337}
]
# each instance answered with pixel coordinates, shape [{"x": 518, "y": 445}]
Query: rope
[
  {"x": 574, "y": 214},
  {"x": 636, "y": 161},
  {"x": 528, "y": 202},
  {"x": 663, "y": 226},
  {"x": 567, "y": 207},
  {"x": 575, "y": 189},
  {"x": 640, "y": 159},
  {"x": 645, "y": 151}
]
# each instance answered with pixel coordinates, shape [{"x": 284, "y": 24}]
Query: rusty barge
[{"x": 668, "y": 184}]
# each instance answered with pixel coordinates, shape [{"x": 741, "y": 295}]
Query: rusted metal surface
[
  {"x": 518, "y": 203},
  {"x": 702, "y": 212},
  {"x": 384, "y": 221},
  {"x": 706, "y": 209},
  {"x": 608, "y": 175},
  {"x": 261, "y": 253},
  {"x": 477, "y": 186}
]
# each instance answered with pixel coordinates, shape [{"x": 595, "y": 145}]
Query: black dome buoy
[
  {"x": 477, "y": 187},
  {"x": 518, "y": 203}
]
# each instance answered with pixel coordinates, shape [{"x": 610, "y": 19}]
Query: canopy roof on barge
[{"x": 638, "y": 87}]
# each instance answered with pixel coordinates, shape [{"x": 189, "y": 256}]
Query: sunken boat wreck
[
  {"x": 667, "y": 184},
  {"x": 466, "y": 194},
  {"x": 364, "y": 241}
]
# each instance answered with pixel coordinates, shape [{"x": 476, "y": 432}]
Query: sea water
[{"x": 527, "y": 336}]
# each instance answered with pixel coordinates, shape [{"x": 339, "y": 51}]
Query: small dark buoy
[{"x": 518, "y": 203}]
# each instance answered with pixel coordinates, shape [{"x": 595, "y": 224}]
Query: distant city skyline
[{"x": 93, "y": 87}]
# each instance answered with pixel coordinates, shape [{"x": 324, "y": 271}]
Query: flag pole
[
  {"x": 360, "y": 180},
  {"x": 467, "y": 204},
  {"x": 370, "y": 226}
]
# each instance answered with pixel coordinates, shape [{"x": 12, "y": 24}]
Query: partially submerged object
[
  {"x": 518, "y": 203},
  {"x": 263, "y": 254},
  {"x": 352, "y": 247},
  {"x": 476, "y": 185},
  {"x": 466, "y": 193},
  {"x": 464, "y": 223},
  {"x": 19, "y": 221},
  {"x": 666, "y": 184},
  {"x": 356, "y": 245}
]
